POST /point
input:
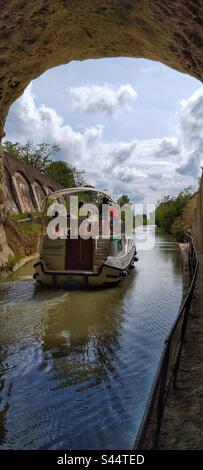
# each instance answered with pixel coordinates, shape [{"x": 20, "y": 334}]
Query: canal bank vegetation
[
  {"x": 25, "y": 216},
  {"x": 174, "y": 214}
]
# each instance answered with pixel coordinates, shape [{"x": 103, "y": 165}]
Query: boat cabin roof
[{"x": 81, "y": 189}]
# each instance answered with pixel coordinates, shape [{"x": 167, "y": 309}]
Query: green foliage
[
  {"x": 121, "y": 201},
  {"x": 65, "y": 174},
  {"x": 179, "y": 230},
  {"x": 124, "y": 199},
  {"x": 59, "y": 171},
  {"x": 31, "y": 229},
  {"x": 16, "y": 216},
  {"x": 37, "y": 155},
  {"x": 79, "y": 177},
  {"x": 40, "y": 156},
  {"x": 20, "y": 215},
  {"x": 169, "y": 208}
]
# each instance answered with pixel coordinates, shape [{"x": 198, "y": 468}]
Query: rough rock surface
[
  {"x": 35, "y": 36},
  {"x": 4, "y": 207},
  {"x": 5, "y": 251}
]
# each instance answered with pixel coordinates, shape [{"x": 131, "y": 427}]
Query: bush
[
  {"x": 179, "y": 230},
  {"x": 171, "y": 208}
]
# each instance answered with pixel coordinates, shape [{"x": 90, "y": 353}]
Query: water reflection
[{"x": 77, "y": 366}]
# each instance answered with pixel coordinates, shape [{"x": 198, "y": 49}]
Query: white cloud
[
  {"x": 191, "y": 133},
  {"x": 144, "y": 169},
  {"x": 102, "y": 99}
]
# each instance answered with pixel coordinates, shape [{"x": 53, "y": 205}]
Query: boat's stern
[{"x": 84, "y": 262}]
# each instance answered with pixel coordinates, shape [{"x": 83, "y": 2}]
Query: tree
[
  {"x": 65, "y": 174},
  {"x": 170, "y": 208},
  {"x": 79, "y": 176},
  {"x": 40, "y": 156},
  {"x": 124, "y": 199},
  {"x": 37, "y": 155},
  {"x": 59, "y": 171}
]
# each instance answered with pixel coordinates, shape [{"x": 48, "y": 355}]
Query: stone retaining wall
[{"x": 26, "y": 185}]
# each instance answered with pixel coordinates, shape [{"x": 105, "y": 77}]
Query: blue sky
[{"x": 134, "y": 125}]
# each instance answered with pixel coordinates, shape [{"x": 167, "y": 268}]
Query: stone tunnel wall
[{"x": 26, "y": 185}]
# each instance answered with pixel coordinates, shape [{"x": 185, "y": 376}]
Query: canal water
[{"x": 76, "y": 366}]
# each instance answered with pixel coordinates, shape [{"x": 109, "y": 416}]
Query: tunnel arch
[
  {"x": 11, "y": 192},
  {"x": 24, "y": 192},
  {"x": 39, "y": 192},
  {"x": 37, "y": 36}
]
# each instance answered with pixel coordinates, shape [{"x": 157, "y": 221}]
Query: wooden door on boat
[{"x": 79, "y": 254}]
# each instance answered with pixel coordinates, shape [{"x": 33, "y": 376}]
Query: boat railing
[{"x": 167, "y": 370}]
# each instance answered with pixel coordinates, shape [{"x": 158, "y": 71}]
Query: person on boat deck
[
  {"x": 81, "y": 204},
  {"x": 105, "y": 200},
  {"x": 104, "y": 217}
]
